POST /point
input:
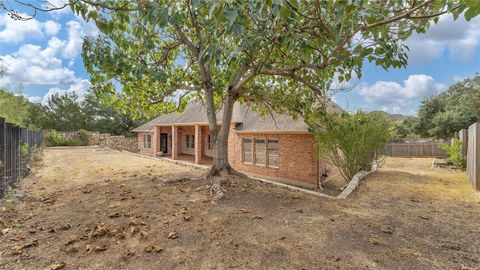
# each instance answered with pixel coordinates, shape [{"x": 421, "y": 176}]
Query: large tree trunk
[{"x": 221, "y": 166}]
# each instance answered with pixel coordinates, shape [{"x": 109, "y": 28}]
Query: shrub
[
  {"x": 84, "y": 136},
  {"x": 24, "y": 149},
  {"x": 54, "y": 139},
  {"x": 454, "y": 151},
  {"x": 351, "y": 142}
]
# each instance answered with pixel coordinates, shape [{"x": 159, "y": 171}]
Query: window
[
  {"x": 260, "y": 152},
  {"x": 247, "y": 150},
  {"x": 190, "y": 140},
  {"x": 147, "y": 141},
  {"x": 273, "y": 153},
  {"x": 209, "y": 143},
  {"x": 266, "y": 152}
]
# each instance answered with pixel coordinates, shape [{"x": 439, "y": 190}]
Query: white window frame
[
  {"x": 147, "y": 141},
  {"x": 251, "y": 151},
  {"x": 253, "y": 154},
  {"x": 190, "y": 144}
]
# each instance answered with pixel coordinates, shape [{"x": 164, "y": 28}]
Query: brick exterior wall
[
  {"x": 298, "y": 163},
  {"x": 142, "y": 149}
]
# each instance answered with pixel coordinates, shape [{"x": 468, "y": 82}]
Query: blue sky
[{"x": 43, "y": 57}]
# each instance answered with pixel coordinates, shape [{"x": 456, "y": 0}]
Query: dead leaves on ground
[
  {"x": 56, "y": 266},
  {"x": 17, "y": 250},
  {"x": 172, "y": 234}
]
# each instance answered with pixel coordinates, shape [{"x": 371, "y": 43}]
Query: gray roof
[{"x": 243, "y": 115}]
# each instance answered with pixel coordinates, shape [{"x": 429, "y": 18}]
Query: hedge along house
[{"x": 275, "y": 147}]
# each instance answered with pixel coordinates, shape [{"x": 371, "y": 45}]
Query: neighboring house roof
[{"x": 245, "y": 117}]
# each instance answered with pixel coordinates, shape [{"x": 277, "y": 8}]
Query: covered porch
[{"x": 188, "y": 143}]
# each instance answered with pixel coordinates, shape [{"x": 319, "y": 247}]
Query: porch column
[
  {"x": 198, "y": 144},
  {"x": 155, "y": 145},
  {"x": 174, "y": 142}
]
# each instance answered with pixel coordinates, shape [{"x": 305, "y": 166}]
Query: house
[{"x": 275, "y": 147}]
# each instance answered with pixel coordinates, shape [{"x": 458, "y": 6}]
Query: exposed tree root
[{"x": 220, "y": 176}]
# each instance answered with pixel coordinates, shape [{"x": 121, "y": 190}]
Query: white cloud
[
  {"x": 31, "y": 65},
  {"x": 75, "y": 40},
  {"x": 459, "y": 38},
  {"x": 12, "y": 31},
  {"x": 80, "y": 87},
  {"x": 35, "y": 99},
  {"x": 395, "y": 97}
]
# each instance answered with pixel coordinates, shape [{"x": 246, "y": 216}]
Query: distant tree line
[
  {"x": 443, "y": 115},
  {"x": 65, "y": 112}
]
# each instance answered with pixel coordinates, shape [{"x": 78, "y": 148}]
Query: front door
[{"x": 163, "y": 142}]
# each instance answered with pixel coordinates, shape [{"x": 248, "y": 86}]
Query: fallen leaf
[
  {"x": 152, "y": 248},
  {"x": 5, "y": 231},
  {"x": 374, "y": 240},
  {"x": 73, "y": 248},
  {"x": 100, "y": 230},
  {"x": 114, "y": 215},
  {"x": 66, "y": 226},
  {"x": 56, "y": 266},
  {"x": 100, "y": 248},
  {"x": 18, "y": 249},
  {"x": 71, "y": 239},
  {"x": 172, "y": 235},
  {"x": 18, "y": 238},
  {"x": 127, "y": 254},
  {"x": 387, "y": 230}
]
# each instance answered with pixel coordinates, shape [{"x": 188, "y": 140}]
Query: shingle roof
[{"x": 246, "y": 118}]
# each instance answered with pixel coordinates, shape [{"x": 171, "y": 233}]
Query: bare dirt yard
[{"x": 91, "y": 208}]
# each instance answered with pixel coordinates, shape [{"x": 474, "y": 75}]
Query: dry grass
[{"x": 87, "y": 208}]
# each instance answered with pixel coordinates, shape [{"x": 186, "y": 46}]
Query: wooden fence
[
  {"x": 429, "y": 149},
  {"x": 473, "y": 154},
  {"x": 15, "y": 151}
]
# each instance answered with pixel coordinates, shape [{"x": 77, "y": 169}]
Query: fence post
[
  {"x": 473, "y": 156},
  {"x": 3, "y": 154}
]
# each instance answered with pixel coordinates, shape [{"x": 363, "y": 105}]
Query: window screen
[
  {"x": 260, "y": 152},
  {"x": 190, "y": 141},
  {"x": 273, "y": 153},
  {"x": 147, "y": 141},
  {"x": 247, "y": 150}
]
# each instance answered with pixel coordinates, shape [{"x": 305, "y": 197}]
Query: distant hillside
[{"x": 393, "y": 117}]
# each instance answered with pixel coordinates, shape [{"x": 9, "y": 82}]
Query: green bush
[
  {"x": 351, "y": 142},
  {"x": 54, "y": 139},
  {"x": 24, "y": 149},
  {"x": 455, "y": 156},
  {"x": 84, "y": 136}
]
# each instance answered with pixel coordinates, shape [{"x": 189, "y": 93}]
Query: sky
[{"x": 42, "y": 57}]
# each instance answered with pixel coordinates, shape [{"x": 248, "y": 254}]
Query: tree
[
  {"x": 279, "y": 55},
  {"x": 64, "y": 113},
  {"x": 350, "y": 142},
  {"x": 455, "y": 109},
  {"x": 14, "y": 108},
  {"x": 398, "y": 131},
  {"x": 104, "y": 118}
]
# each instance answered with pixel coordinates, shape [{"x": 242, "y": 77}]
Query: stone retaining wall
[{"x": 118, "y": 142}]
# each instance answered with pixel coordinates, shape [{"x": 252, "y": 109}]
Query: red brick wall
[
  {"x": 144, "y": 151},
  {"x": 298, "y": 158}
]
